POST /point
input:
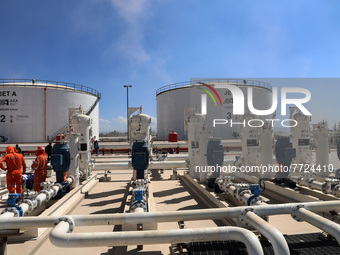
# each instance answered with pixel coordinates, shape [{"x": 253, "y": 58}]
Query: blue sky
[{"x": 151, "y": 43}]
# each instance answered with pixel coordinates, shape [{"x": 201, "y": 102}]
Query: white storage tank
[
  {"x": 173, "y": 99},
  {"x": 36, "y": 110}
]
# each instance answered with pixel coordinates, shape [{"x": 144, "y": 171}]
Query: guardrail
[
  {"x": 209, "y": 81},
  {"x": 46, "y": 83}
]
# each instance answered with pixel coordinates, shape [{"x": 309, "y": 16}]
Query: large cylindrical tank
[
  {"x": 36, "y": 110},
  {"x": 173, "y": 100}
]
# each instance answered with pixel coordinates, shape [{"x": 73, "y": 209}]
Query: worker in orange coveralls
[
  {"x": 14, "y": 162},
  {"x": 39, "y": 166}
]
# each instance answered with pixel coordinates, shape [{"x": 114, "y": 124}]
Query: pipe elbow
[{"x": 59, "y": 235}]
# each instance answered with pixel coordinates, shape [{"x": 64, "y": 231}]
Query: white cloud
[
  {"x": 131, "y": 10},
  {"x": 154, "y": 123},
  {"x": 130, "y": 44},
  {"x": 104, "y": 125},
  {"x": 120, "y": 120},
  {"x": 119, "y": 124}
]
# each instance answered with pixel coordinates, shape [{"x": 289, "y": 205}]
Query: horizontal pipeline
[{"x": 187, "y": 215}]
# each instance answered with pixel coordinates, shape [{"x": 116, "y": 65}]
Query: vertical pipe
[
  {"x": 45, "y": 113},
  {"x": 127, "y": 113},
  {"x": 275, "y": 237}
]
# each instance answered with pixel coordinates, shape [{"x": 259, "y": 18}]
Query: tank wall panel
[{"x": 22, "y": 110}]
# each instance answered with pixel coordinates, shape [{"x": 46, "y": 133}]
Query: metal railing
[
  {"x": 209, "y": 81},
  {"x": 49, "y": 84}
]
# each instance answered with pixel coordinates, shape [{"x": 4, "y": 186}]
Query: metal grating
[{"x": 307, "y": 244}]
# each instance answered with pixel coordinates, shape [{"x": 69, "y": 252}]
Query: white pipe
[
  {"x": 152, "y": 165},
  {"x": 138, "y": 210},
  {"x": 316, "y": 185},
  {"x": 242, "y": 196},
  {"x": 320, "y": 222},
  {"x": 116, "y": 159},
  {"x": 275, "y": 237},
  {"x": 112, "y": 166},
  {"x": 29, "y": 205},
  {"x": 167, "y": 164},
  {"x": 3, "y": 192},
  {"x": 113, "y": 146},
  {"x": 172, "y": 216},
  {"x": 59, "y": 237}
]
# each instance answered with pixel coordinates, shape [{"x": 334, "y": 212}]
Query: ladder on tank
[{"x": 62, "y": 129}]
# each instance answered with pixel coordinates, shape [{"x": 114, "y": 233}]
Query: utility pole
[{"x": 127, "y": 110}]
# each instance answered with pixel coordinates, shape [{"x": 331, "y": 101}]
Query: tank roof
[
  {"x": 49, "y": 84},
  {"x": 195, "y": 82}
]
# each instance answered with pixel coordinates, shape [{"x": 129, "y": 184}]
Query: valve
[
  {"x": 256, "y": 191},
  {"x": 13, "y": 199}
]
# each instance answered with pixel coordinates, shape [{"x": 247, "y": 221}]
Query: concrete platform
[{"x": 110, "y": 197}]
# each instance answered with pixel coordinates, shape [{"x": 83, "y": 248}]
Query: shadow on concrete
[
  {"x": 169, "y": 192},
  {"x": 155, "y": 176},
  {"x": 105, "y": 194},
  {"x": 120, "y": 209},
  {"x": 176, "y": 200}
]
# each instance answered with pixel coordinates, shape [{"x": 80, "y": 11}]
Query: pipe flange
[
  {"x": 335, "y": 190},
  {"x": 309, "y": 182},
  {"x": 59, "y": 185},
  {"x": 294, "y": 212},
  {"x": 243, "y": 216},
  {"x": 54, "y": 191},
  {"x": 240, "y": 196},
  {"x": 324, "y": 187},
  {"x": 234, "y": 193},
  {"x": 253, "y": 200},
  {"x": 244, "y": 192},
  {"x": 229, "y": 184},
  {"x": 73, "y": 178},
  {"x": 13, "y": 210},
  {"x": 30, "y": 205},
  {"x": 69, "y": 220},
  {"x": 46, "y": 185},
  {"x": 48, "y": 195}
]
